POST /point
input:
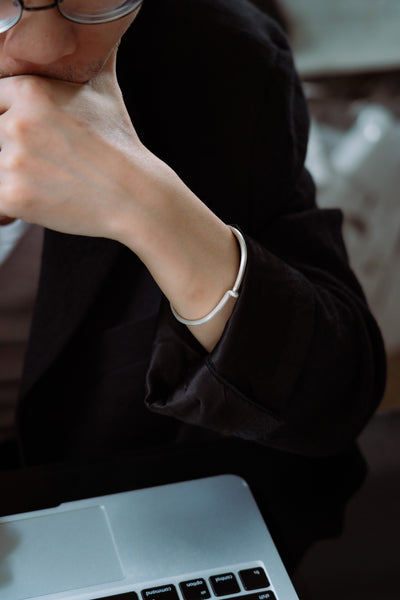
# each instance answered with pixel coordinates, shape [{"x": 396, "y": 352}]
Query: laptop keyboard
[{"x": 232, "y": 586}]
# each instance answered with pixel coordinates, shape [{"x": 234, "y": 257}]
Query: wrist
[{"x": 231, "y": 293}]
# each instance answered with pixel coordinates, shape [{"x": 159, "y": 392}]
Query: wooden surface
[{"x": 391, "y": 399}]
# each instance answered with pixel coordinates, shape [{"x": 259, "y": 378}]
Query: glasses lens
[
  {"x": 9, "y": 14},
  {"x": 96, "y": 11}
]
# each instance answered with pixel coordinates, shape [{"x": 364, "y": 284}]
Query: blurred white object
[
  {"x": 361, "y": 175},
  {"x": 9, "y": 237},
  {"x": 344, "y": 35}
]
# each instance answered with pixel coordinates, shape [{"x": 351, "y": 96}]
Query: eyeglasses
[{"x": 86, "y": 12}]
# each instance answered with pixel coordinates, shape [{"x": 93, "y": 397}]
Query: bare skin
[{"x": 71, "y": 161}]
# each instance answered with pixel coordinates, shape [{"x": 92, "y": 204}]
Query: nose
[{"x": 40, "y": 38}]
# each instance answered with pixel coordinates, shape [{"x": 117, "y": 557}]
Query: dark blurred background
[{"x": 348, "y": 55}]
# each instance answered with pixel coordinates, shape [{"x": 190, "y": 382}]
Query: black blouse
[{"x": 211, "y": 89}]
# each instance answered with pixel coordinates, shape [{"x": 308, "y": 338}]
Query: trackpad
[{"x": 56, "y": 553}]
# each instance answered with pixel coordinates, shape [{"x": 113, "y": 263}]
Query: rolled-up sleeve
[{"x": 300, "y": 365}]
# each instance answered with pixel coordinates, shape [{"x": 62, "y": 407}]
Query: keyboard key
[
  {"x": 254, "y": 579},
  {"x": 267, "y": 595},
  {"x": 224, "y": 584},
  {"x": 162, "y": 592},
  {"x": 195, "y": 589},
  {"x": 126, "y": 596}
]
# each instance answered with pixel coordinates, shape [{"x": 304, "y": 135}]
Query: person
[{"x": 164, "y": 183}]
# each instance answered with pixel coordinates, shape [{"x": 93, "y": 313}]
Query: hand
[{"x": 62, "y": 149}]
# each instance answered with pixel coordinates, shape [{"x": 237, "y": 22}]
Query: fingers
[
  {"x": 7, "y": 94},
  {"x": 26, "y": 90},
  {"x": 52, "y": 138}
]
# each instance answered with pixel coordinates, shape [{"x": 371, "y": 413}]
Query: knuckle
[
  {"x": 15, "y": 197},
  {"x": 15, "y": 162},
  {"x": 32, "y": 100},
  {"x": 18, "y": 126},
  {"x": 32, "y": 87}
]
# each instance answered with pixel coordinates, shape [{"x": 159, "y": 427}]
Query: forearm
[{"x": 192, "y": 255}]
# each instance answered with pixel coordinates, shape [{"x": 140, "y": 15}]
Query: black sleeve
[{"x": 301, "y": 363}]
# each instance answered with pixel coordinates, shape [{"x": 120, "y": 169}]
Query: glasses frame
[{"x": 125, "y": 9}]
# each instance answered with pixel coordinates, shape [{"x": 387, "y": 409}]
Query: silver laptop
[{"x": 196, "y": 540}]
